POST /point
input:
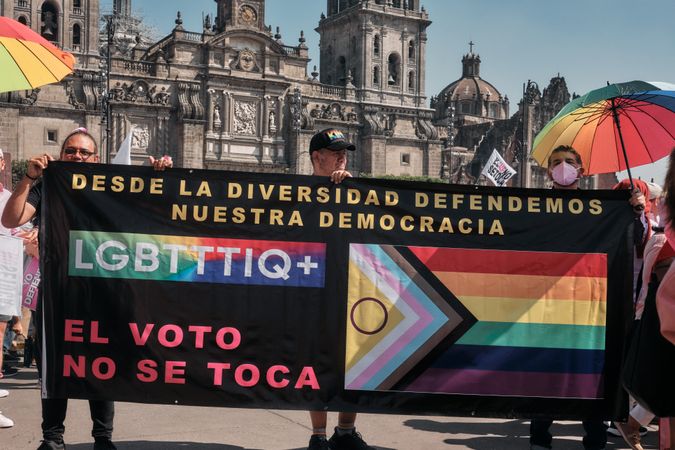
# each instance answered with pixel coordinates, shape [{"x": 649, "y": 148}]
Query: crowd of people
[{"x": 654, "y": 279}]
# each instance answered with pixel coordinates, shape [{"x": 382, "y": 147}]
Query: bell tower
[
  {"x": 378, "y": 46},
  {"x": 70, "y": 24},
  {"x": 240, "y": 13}
]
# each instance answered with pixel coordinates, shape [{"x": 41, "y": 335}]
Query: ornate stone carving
[
  {"x": 140, "y": 137},
  {"x": 72, "y": 97},
  {"x": 379, "y": 122},
  {"x": 333, "y": 111},
  {"x": 196, "y": 101},
  {"x": 160, "y": 97},
  {"x": 217, "y": 122},
  {"x": 272, "y": 122},
  {"x": 246, "y": 60},
  {"x": 424, "y": 129},
  {"x": 31, "y": 98},
  {"x": 139, "y": 92},
  {"x": 245, "y": 114},
  {"x": 186, "y": 109}
]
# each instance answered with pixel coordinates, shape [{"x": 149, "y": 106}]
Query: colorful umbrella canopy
[
  {"x": 27, "y": 60},
  {"x": 614, "y": 128}
]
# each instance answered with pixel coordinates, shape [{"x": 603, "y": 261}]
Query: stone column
[
  {"x": 209, "y": 108},
  {"x": 265, "y": 114},
  {"x": 228, "y": 111}
]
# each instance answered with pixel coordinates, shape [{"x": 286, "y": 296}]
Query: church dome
[{"x": 471, "y": 95}]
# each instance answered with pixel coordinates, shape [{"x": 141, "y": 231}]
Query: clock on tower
[{"x": 247, "y": 13}]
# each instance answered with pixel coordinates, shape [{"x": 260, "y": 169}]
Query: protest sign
[
  {"x": 275, "y": 291},
  {"x": 11, "y": 272},
  {"x": 497, "y": 170},
  {"x": 31, "y": 283}
]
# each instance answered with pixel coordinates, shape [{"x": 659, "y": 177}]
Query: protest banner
[
  {"x": 497, "y": 170},
  {"x": 275, "y": 291},
  {"x": 11, "y": 272}
]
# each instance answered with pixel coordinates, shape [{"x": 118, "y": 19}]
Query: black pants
[
  {"x": 54, "y": 409},
  {"x": 54, "y": 414},
  {"x": 595, "y": 439}
]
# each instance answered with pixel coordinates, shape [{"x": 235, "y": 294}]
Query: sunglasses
[{"x": 84, "y": 153}]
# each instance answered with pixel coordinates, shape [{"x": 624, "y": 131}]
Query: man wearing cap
[{"x": 328, "y": 151}]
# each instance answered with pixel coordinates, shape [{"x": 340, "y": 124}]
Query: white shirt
[{"x": 4, "y": 197}]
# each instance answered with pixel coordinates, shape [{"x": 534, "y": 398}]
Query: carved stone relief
[
  {"x": 246, "y": 60},
  {"x": 140, "y": 137},
  {"x": 333, "y": 111},
  {"x": 245, "y": 114}
]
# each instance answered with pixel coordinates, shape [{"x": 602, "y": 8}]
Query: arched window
[
  {"x": 394, "y": 75},
  {"x": 376, "y": 76},
  {"x": 49, "y": 18},
  {"x": 411, "y": 5},
  {"x": 23, "y": 20},
  {"x": 493, "y": 110},
  {"x": 376, "y": 45},
  {"x": 466, "y": 108},
  {"x": 411, "y": 81},
  {"x": 397, "y": 3},
  {"x": 77, "y": 36},
  {"x": 411, "y": 50}
]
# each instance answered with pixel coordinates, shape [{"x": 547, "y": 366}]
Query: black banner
[{"x": 272, "y": 291}]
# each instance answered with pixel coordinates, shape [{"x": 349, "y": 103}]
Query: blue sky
[{"x": 589, "y": 42}]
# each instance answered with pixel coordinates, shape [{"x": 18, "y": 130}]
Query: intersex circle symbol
[{"x": 369, "y": 300}]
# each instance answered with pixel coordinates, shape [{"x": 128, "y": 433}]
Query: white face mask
[{"x": 565, "y": 174}]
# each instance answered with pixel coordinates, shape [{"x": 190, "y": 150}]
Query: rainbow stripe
[
  {"x": 196, "y": 259},
  {"x": 541, "y": 323}
]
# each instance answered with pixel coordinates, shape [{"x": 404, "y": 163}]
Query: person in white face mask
[{"x": 565, "y": 168}]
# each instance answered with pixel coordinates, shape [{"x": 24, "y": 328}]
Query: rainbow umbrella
[
  {"x": 27, "y": 60},
  {"x": 613, "y": 125}
]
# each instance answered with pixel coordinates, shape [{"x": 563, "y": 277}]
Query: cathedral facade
[{"x": 234, "y": 95}]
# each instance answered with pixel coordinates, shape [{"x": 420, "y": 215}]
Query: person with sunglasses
[{"x": 24, "y": 205}]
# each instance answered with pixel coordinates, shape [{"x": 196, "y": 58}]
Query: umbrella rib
[
  {"x": 659, "y": 123},
  {"x": 590, "y": 154},
  {"x": 637, "y": 130},
  {"x": 38, "y": 58},
  {"x": 16, "y": 63}
]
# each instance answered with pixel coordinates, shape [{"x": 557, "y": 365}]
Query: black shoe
[
  {"x": 317, "y": 442},
  {"x": 9, "y": 372},
  {"x": 51, "y": 445},
  {"x": 11, "y": 357},
  {"x": 351, "y": 441},
  {"x": 104, "y": 444}
]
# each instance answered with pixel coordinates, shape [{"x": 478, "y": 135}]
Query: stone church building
[{"x": 235, "y": 96}]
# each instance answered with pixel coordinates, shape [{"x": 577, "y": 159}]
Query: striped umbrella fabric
[
  {"x": 27, "y": 60},
  {"x": 636, "y": 116},
  {"x": 540, "y": 329}
]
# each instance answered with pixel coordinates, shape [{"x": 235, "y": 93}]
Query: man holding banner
[
  {"x": 565, "y": 169},
  {"x": 328, "y": 151}
]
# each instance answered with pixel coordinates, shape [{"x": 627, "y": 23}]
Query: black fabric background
[{"x": 293, "y": 326}]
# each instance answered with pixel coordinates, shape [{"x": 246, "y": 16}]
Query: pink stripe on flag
[{"x": 424, "y": 319}]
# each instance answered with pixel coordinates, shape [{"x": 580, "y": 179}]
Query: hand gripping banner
[{"x": 274, "y": 291}]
